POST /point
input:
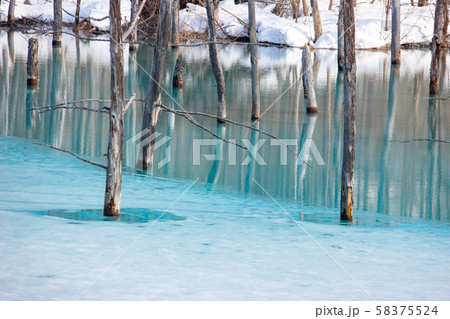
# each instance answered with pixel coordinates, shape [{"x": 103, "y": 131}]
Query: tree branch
[
  {"x": 73, "y": 154},
  {"x": 134, "y": 22},
  {"x": 420, "y": 140}
]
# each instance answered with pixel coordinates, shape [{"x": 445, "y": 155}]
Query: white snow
[
  {"x": 416, "y": 24},
  {"x": 43, "y": 10}
]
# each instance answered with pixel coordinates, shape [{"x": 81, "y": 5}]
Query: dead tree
[
  {"x": 32, "y": 62},
  {"x": 254, "y": 59},
  {"x": 113, "y": 191},
  {"x": 423, "y": 3},
  {"x": 215, "y": 63},
  {"x": 437, "y": 44},
  {"x": 305, "y": 8},
  {"x": 330, "y": 5},
  {"x": 134, "y": 10},
  {"x": 316, "y": 19},
  {"x": 178, "y": 75},
  {"x": 77, "y": 13},
  {"x": 175, "y": 22},
  {"x": 151, "y": 110},
  {"x": 340, "y": 54},
  {"x": 57, "y": 22},
  {"x": 308, "y": 82},
  {"x": 12, "y": 6},
  {"x": 348, "y": 160},
  {"x": 395, "y": 39}
]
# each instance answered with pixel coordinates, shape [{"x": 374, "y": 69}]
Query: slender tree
[
  {"x": 317, "y": 20},
  {"x": 217, "y": 68},
  {"x": 12, "y": 7},
  {"x": 437, "y": 44},
  {"x": 134, "y": 9},
  {"x": 395, "y": 39},
  {"x": 305, "y": 8},
  {"x": 57, "y": 22},
  {"x": 175, "y": 22},
  {"x": 151, "y": 111},
  {"x": 340, "y": 54},
  {"x": 77, "y": 13},
  {"x": 348, "y": 160},
  {"x": 254, "y": 59},
  {"x": 113, "y": 191}
]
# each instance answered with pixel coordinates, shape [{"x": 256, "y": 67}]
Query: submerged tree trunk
[
  {"x": 436, "y": 46},
  {"x": 151, "y": 110},
  {"x": 113, "y": 191},
  {"x": 12, "y": 7},
  {"x": 77, "y": 13},
  {"x": 57, "y": 22},
  {"x": 395, "y": 39},
  {"x": 217, "y": 68},
  {"x": 317, "y": 21},
  {"x": 308, "y": 83},
  {"x": 32, "y": 62},
  {"x": 175, "y": 22},
  {"x": 254, "y": 60},
  {"x": 134, "y": 9},
  {"x": 348, "y": 160},
  {"x": 340, "y": 55}
]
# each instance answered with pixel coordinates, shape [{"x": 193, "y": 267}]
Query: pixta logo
[
  {"x": 137, "y": 142},
  {"x": 308, "y": 148}
]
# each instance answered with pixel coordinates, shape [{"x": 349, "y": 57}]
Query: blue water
[{"x": 209, "y": 232}]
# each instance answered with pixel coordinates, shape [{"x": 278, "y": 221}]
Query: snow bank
[
  {"x": 43, "y": 10},
  {"x": 416, "y": 25}
]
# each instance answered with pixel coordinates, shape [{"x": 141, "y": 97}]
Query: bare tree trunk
[
  {"x": 113, "y": 191},
  {"x": 445, "y": 29},
  {"x": 308, "y": 83},
  {"x": 317, "y": 21},
  {"x": 57, "y": 22},
  {"x": 12, "y": 7},
  {"x": 254, "y": 60},
  {"x": 330, "y": 6},
  {"x": 388, "y": 8},
  {"x": 77, "y": 13},
  {"x": 436, "y": 46},
  {"x": 32, "y": 62},
  {"x": 340, "y": 55},
  {"x": 295, "y": 5},
  {"x": 305, "y": 8},
  {"x": 395, "y": 40},
  {"x": 134, "y": 9},
  {"x": 175, "y": 22},
  {"x": 217, "y": 68},
  {"x": 151, "y": 111},
  {"x": 348, "y": 160}
]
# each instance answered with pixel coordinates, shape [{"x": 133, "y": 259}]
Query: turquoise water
[
  {"x": 209, "y": 231},
  {"x": 401, "y": 179}
]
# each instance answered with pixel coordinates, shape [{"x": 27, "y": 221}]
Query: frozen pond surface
[{"x": 224, "y": 239}]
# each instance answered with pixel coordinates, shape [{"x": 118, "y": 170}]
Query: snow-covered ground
[
  {"x": 416, "y": 22},
  {"x": 43, "y": 10}
]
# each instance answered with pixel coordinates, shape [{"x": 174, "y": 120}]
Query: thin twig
[
  {"x": 73, "y": 154},
  {"x": 134, "y": 22},
  {"x": 420, "y": 140},
  {"x": 89, "y": 18}
]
